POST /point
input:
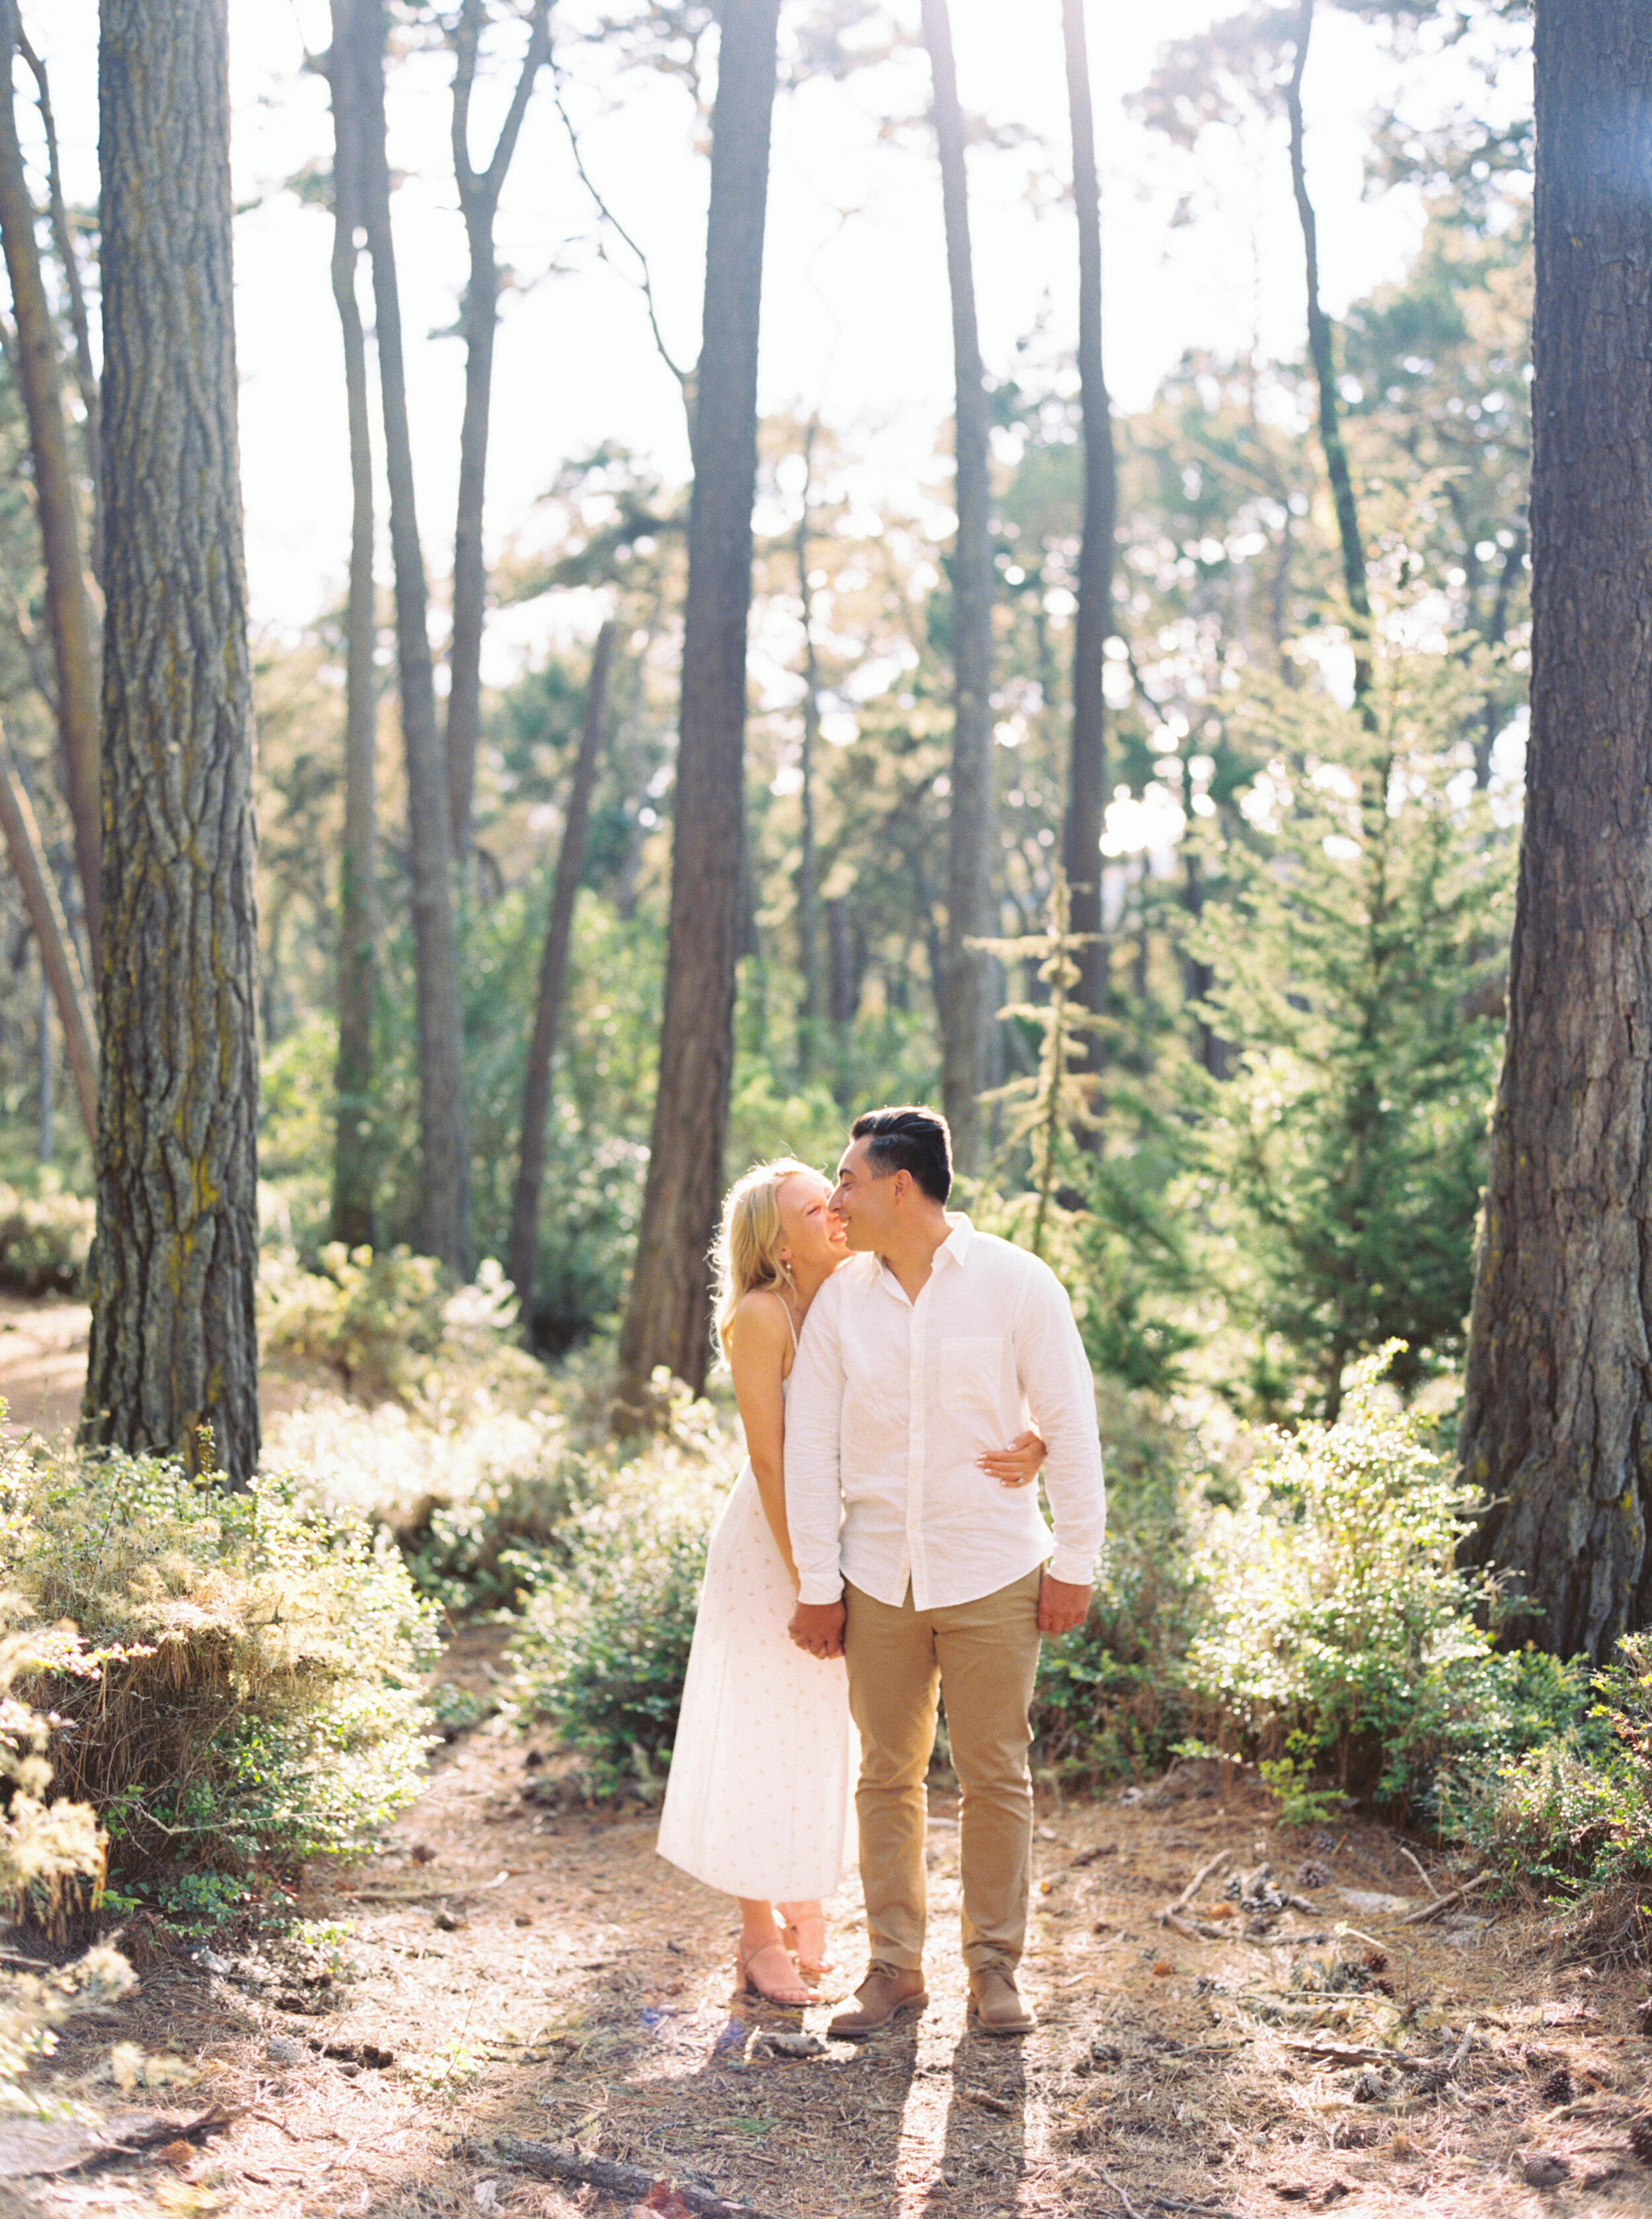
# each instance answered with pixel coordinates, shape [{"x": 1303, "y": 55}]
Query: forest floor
[
  {"x": 509, "y": 1967},
  {"x": 513, "y": 1965}
]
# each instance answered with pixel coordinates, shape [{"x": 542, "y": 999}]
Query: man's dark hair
[{"x": 909, "y": 1140}]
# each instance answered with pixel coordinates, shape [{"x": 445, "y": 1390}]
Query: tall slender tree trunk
[
  {"x": 444, "y": 1225},
  {"x": 1322, "y": 351},
  {"x": 965, "y": 1013},
  {"x": 1087, "y": 762},
  {"x": 57, "y": 496},
  {"x": 667, "y": 1318},
  {"x": 354, "y": 1153},
  {"x": 479, "y": 193},
  {"x": 1557, "y": 1412},
  {"x": 74, "y": 294},
  {"x": 174, "y": 1344},
  {"x": 553, "y": 979},
  {"x": 26, "y": 853},
  {"x": 808, "y": 868}
]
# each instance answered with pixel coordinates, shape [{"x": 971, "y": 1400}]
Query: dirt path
[{"x": 541, "y": 1973}]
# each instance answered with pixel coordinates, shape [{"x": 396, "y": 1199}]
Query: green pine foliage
[{"x": 1357, "y": 959}]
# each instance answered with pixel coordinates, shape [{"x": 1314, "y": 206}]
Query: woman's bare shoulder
[{"x": 760, "y": 1316}]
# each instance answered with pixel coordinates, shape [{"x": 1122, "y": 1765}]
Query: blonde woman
[{"x": 757, "y": 1801}]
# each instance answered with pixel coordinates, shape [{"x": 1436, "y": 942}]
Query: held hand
[
  {"x": 819, "y": 1627},
  {"x": 1019, "y": 1464},
  {"x": 1061, "y": 1607}
]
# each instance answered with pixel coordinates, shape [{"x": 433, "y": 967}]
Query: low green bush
[
  {"x": 244, "y": 1690},
  {"x": 45, "y": 1241},
  {"x": 1112, "y": 1699},
  {"x": 604, "y": 1640},
  {"x": 1576, "y": 1810},
  {"x": 390, "y": 1327},
  {"x": 1337, "y": 1632}
]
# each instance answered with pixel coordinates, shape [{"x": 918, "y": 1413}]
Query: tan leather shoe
[
  {"x": 888, "y": 1992},
  {"x": 995, "y": 2002}
]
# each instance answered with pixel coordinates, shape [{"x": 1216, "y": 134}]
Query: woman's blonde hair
[{"x": 746, "y": 1255}]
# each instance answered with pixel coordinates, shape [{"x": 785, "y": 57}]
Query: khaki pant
[{"x": 980, "y": 1657}]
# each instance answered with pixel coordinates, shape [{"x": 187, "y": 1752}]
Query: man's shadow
[{"x": 984, "y": 2152}]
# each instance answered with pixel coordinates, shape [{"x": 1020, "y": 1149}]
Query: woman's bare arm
[{"x": 759, "y": 1341}]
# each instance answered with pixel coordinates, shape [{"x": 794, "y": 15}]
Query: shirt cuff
[
  {"x": 1074, "y": 1568},
  {"x": 820, "y": 1587}
]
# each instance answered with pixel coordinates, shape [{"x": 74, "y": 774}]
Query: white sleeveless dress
[{"x": 757, "y": 1798}]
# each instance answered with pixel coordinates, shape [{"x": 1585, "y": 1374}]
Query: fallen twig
[
  {"x": 1284, "y": 1941},
  {"x": 1353, "y": 2053},
  {"x": 632, "y": 2181},
  {"x": 1214, "y": 1864},
  {"x": 1420, "y": 1869},
  {"x": 1130, "y": 2210},
  {"x": 1441, "y": 1903}
]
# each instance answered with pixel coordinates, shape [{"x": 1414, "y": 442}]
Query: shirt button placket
[{"x": 916, "y": 1446}]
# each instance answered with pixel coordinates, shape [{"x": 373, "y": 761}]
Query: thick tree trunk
[
  {"x": 1087, "y": 770},
  {"x": 668, "y": 1319},
  {"x": 1557, "y": 1415},
  {"x": 33, "y": 872},
  {"x": 1322, "y": 351},
  {"x": 174, "y": 1347},
  {"x": 553, "y": 977},
  {"x": 74, "y": 649},
  {"x": 965, "y": 1011},
  {"x": 444, "y": 1227},
  {"x": 353, "y": 1152},
  {"x": 479, "y": 192}
]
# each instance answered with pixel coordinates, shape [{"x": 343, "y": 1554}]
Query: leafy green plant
[
  {"x": 245, "y": 1689},
  {"x": 389, "y": 1325},
  {"x": 604, "y": 1642},
  {"x": 1338, "y": 1633},
  {"x": 45, "y": 1240},
  {"x": 1577, "y": 1808},
  {"x": 1111, "y": 1699}
]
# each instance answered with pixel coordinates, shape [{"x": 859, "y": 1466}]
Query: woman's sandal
[
  {"x": 804, "y": 1935},
  {"x": 789, "y": 1994}
]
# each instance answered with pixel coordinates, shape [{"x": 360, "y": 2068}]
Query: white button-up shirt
[{"x": 890, "y": 1402}]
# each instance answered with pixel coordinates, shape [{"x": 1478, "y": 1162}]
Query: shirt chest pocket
[{"x": 971, "y": 1377}]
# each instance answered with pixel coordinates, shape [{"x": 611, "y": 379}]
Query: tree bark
[
  {"x": 74, "y": 649},
  {"x": 33, "y": 872},
  {"x": 553, "y": 976},
  {"x": 1087, "y": 762},
  {"x": 444, "y": 1225},
  {"x": 174, "y": 1347},
  {"x": 1322, "y": 351},
  {"x": 965, "y": 1008},
  {"x": 479, "y": 192},
  {"x": 354, "y": 1152},
  {"x": 1557, "y": 1415},
  {"x": 667, "y": 1318}
]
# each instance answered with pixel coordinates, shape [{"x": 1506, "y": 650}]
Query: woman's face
[{"x": 812, "y": 1234}]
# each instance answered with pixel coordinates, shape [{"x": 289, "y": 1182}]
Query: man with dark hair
[{"x": 931, "y": 1345}]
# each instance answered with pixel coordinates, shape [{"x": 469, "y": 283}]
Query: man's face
[{"x": 865, "y": 1204}]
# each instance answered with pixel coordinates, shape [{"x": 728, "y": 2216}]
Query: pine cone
[
  {"x": 1643, "y": 2014},
  {"x": 1557, "y": 2087},
  {"x": 1640, "y": 2137}
]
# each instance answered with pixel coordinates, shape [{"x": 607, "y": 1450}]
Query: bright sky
[{"x": 856, "y": 309}]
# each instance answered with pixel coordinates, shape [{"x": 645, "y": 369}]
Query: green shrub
[
  {"x": 603, "y": 1643},
  {"x": 472, "y": 1505},
  {"x": 1337, "y": 1631},
  {"x": 389, "y": 1326},
  {"x": 1577, "y": 1808},
  {"x": 1112, "y": 1699},
  {"x": 45, "y": 1241},
  {"x": 245, "y": 1689}
]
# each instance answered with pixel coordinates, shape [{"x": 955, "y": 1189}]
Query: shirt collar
[{"x": 955, "y": 1248}]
